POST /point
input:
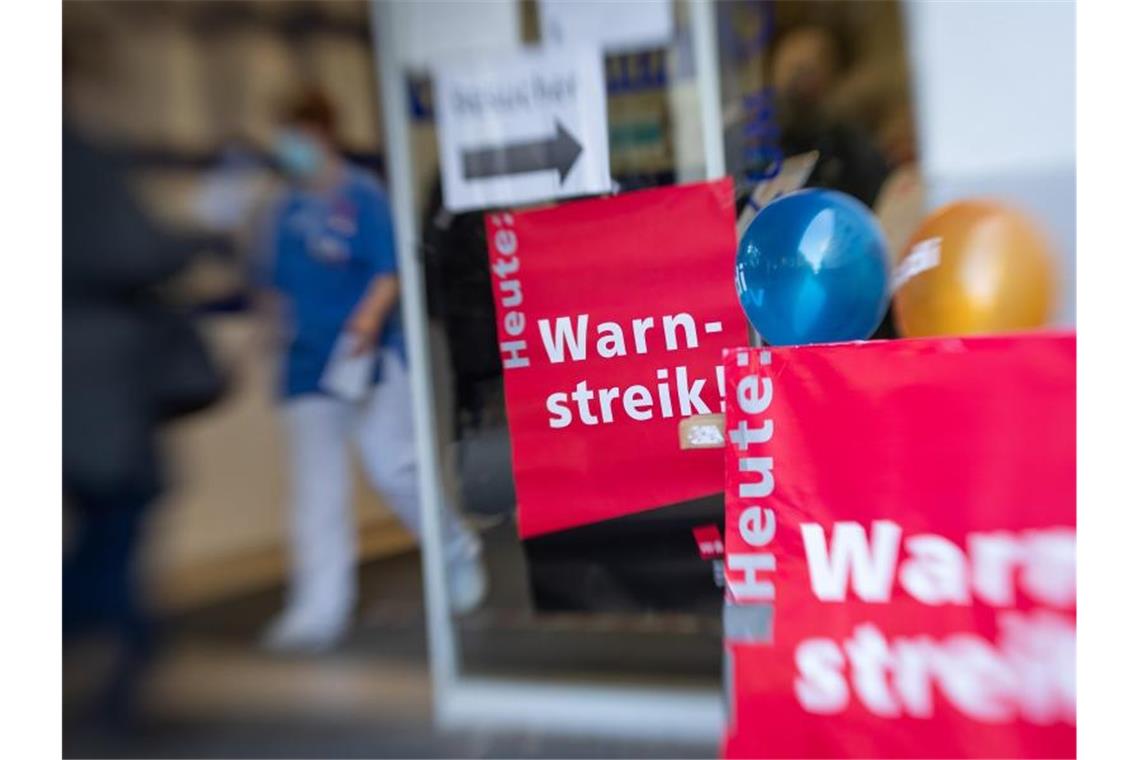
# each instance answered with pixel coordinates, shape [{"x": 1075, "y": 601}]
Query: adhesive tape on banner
[{"x": 702, "y": 431}]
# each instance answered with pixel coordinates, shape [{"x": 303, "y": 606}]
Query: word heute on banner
[
  {"x": 908, "y": 510},
  {"x": 612, "y": 316}
]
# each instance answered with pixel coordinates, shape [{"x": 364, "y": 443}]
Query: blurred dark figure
[
  {"x": 459, "y": 296},
  {"x": 130, "y": 362},
  {"x": 806, "y": 63}
]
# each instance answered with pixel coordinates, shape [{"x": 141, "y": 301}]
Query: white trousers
[{"x": 323, "y": 529}]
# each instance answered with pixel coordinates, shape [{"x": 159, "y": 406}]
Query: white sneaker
[
  {"x": 466, "y": 577},
  {"x": 299, "y": 632}
]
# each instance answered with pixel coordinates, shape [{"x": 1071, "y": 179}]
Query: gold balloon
[{"x": 975, "y": 267}]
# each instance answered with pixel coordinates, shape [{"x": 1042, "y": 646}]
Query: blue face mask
[{"x": 299, "y": 155}]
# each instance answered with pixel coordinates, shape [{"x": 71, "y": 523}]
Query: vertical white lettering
[
  {"x": 767, "y": 483},
  {"x": 748, "y": 394},
  {"x": 514, "y": 322},
  {"x": 752, "y": 588},
  {"x": 514, "y": 348},
  {"x": 757, "y": 526},
  {"x": 512, "y": 293},
  {"x": 743, "y": 436}
]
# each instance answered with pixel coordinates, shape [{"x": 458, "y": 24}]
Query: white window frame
[{"x": 461, "y": 700}]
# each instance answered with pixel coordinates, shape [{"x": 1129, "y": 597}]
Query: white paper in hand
[{"x": 347, "y": 376}]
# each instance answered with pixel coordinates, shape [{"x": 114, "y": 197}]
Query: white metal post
[
  {"x": 401, "y": 180},
  {"x": 703, "y": 16},
  {"x": 630, "y": 711}
]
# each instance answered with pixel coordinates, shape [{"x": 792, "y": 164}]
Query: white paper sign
[
  {"x": 522, "y": 128},
  {"x": 347, "y": 375},
  {"x": 615, "y": 25}
]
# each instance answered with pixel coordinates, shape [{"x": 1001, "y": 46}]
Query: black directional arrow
[{"x": 559, "y": 151}]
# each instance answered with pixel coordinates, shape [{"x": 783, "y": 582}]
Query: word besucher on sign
[
  {"x": 612, "y": 317},
  {"x": 523, "y": 127},
  {"x": 908, "y": 511}
]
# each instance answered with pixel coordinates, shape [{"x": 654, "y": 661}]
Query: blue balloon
[{"x": 812, "y": 267}]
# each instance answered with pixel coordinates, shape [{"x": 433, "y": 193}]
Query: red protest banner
[
  {"x": 612, "y": 315},
  {"x": 908, "y": 508}
]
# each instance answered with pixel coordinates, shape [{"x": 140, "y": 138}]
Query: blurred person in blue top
[{"x": 329, "y": 259}]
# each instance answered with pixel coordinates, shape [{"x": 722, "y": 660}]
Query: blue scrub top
[{"x": 323, "y": 252}]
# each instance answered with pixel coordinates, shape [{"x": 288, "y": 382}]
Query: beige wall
[{"x": 222, "y": 528}]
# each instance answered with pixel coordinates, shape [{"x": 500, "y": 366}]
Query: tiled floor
[{"x": 211, "y": 693}]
